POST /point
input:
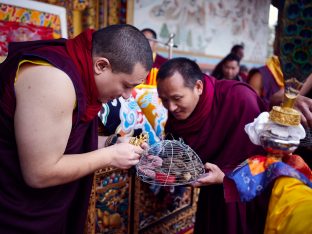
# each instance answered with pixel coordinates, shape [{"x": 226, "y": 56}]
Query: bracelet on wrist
[{"x": 111, "y": 140}]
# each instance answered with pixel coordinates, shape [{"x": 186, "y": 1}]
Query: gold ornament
[
  {"x": 142, "y": 138},
  {"x": 286, "y": 114}
]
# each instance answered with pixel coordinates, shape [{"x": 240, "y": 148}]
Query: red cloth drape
[{"x": 80, "y": 51}]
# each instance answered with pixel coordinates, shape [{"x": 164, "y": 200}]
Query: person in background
[
  {"x": 51, "y": 93},
  {"x": 158, "y": 60},
  {"x": 243, "y": 72},
  {"x": 267, "y": 80},
  {"x": 229, "y": 68},
  {"x": 210, "y": 116},
  {"x": 238, "y": 49}
]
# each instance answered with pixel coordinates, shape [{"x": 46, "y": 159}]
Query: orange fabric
[
  {"x": 258, "y": 164},
  {"x": 151, "y": 77},
  {"x": 299, "y": 164},
  {"x": 274, "y": 66}
]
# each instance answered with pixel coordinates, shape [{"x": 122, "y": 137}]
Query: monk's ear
[
  {"x": 100, "y": 65},
  {"x": 199, "y": 86}
]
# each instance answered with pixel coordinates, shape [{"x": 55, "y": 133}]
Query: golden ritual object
[
  {"x": 276, "y": 145},
  {"x": 142, "y": 138},
  {"x": 285, "y": 114}
]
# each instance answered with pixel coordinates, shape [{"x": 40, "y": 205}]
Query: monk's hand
[
  {"x": 213, "y": 175},
  {"x": 144, "y": 146},
  {"x": 304, "y": 105},
  {"x": 126, "y": 139},
  {"x": 123, "y": 139},
  {"x": 125, "y": 155}
]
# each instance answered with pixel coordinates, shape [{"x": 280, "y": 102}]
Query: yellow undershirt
[{"x": 36, "y": 62}]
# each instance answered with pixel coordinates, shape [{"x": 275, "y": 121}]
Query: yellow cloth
[
  {"x": 145, "y": 86},
  {"x": 35, "y": 61},
  {"x": 153, "y": 75},
  {"x": 274, "y": 66},
  {"x": 290, "y": 208}
]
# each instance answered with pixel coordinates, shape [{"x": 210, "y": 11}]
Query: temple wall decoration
[{"x": 208, "y": 27}]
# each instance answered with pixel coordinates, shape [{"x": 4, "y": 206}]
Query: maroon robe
[
  {"x": 270, "y": 85},
  {"x": 215, "y": 130},
  {"x": 57, "y": 209},
  {"x": 159, "y": 60}
]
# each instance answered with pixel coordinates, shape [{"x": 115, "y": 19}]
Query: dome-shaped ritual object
[{"x": 169, "y": 163}]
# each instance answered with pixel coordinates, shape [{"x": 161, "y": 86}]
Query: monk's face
[
  {"x": 230, "y": 70},
  {"x": 177, "y": 98},
  {"x": 111, "y": 85}
]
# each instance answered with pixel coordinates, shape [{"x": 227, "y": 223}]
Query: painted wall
[{"x": 209, "y": 27}]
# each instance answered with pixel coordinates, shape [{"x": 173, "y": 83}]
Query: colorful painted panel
[
  {"x": 112, "y": 202},
  {"x": 120, "y": 203},
  {"x": 29, "y": 16},
  {"x": 150, "y": 104},
  {"x": 15, "y": 31},
  {"x": 21, "y": 24},
  {"x": 158, "y": 203}
]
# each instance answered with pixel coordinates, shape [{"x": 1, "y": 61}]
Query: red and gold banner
[{"x": 23, "y": 24}]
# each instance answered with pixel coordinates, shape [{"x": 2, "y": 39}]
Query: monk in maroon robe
[
  {"x": 210, "y": 115},
  {"x": 51, "y": 92}
]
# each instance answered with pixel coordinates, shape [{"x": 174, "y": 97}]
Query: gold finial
[{"x": 286, "y": 114}]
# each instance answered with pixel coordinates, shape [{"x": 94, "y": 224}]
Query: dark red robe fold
[
  {"x": 57, "y": 209},
  {"x": 159, "y": 60},
  {"x": 215, "y": 130}
]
